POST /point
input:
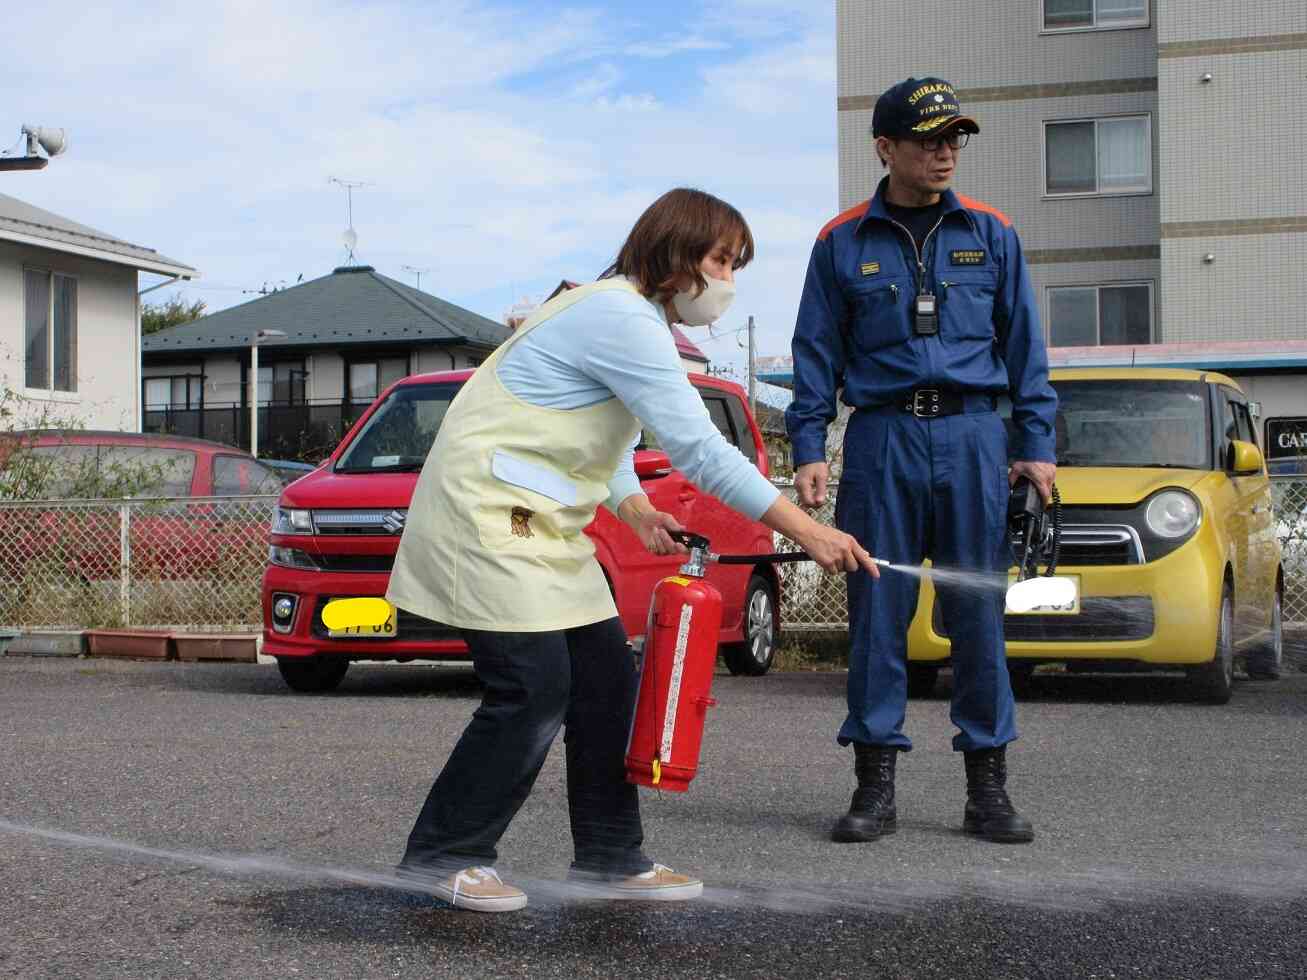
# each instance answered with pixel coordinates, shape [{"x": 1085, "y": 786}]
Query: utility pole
[{"x": 753, "y": 375}]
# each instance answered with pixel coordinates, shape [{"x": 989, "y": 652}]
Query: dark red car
[
  {"x": 171, "y": 539},
  {"x": 336, "y": 531}
]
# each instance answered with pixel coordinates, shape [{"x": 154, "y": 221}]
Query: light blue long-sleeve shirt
[{"x": 615, "y": 343}]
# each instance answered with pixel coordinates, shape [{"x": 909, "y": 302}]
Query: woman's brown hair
[{"x": 670, "y": 240}]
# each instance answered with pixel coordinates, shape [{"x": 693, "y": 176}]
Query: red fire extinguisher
[{"x": 680, "y": 652}]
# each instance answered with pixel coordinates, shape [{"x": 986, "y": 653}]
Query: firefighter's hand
[
  {"x": 836, "y": 551},
  {"x": 1040, "y": 474},
  {"x": 810, "y": 483}
]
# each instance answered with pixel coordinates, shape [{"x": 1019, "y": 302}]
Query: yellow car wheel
[
  {"x": 1264, "y": 663},
  {"x": 921, "y": 680},
  {"x": 1214, "y": 682}
]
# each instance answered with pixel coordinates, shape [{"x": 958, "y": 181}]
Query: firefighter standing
[{"x": 918, "y": 305}]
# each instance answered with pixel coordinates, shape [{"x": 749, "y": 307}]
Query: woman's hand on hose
[
  {"x": 836, "y": 551},
  {"x": 651, "y": 526}
]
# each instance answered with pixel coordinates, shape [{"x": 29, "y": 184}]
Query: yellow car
[{"x": 1167, "y": 530}]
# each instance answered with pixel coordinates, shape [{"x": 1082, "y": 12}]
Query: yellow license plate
[
  {"x": 1071, "y": 608},
  {"x": 386, "y": 630}
]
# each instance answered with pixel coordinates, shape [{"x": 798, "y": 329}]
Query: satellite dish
[
  {"x": 53, "y": 141},
  {"x": 350, "y": 238}
]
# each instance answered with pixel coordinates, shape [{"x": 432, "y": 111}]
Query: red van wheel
[
  {"x": 753, "y": 657},
  {"x": 312, "y": 675}
]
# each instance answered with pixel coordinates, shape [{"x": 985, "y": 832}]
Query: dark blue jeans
[{"x": 534, "y": 684}]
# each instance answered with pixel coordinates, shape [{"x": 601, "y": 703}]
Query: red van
[{"x": 336, "y": 530}]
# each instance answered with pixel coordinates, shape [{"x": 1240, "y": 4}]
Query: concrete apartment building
[{"x": 1148, "y": 151}]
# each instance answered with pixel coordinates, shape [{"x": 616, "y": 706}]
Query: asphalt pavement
[{"x": 1172, "y": 836}]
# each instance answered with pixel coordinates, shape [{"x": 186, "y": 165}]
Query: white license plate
[
  {"x": 387, "y": 630},
  {"x": 1071, "y": 608}
]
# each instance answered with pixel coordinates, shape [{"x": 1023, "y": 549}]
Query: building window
[
  {"x": 1092, "y": 316},
  {"x": 367, "y": 379},
  {"x": 1098, "y": 156},
  {"x": 174, "y": 391},
  {"x": 50, "y": 331},
  {"x": 282, "y": 383},
  {"x": 1094, "y": 15}
]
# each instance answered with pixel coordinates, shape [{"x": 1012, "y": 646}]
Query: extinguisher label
[{"x": 674, "y": 688}]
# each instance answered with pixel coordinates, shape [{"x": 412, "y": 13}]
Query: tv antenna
[
  {"x": 417, "y": 272},
  {"x": 349, "y": 237}
]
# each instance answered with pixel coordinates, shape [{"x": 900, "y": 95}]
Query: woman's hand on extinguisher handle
[
  {"x": 830, "y": 548},
  {"x": 650, "y": 525}
]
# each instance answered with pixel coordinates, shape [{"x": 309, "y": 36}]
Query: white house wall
[{"x": 108, "y": 365}]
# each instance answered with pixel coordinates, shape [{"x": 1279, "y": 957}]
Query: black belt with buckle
[{"x": 932, "y": 403}]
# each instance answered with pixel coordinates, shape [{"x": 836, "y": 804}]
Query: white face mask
[{"x": 707, "y": 307}]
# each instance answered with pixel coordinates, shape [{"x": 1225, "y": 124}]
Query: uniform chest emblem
[
  {"x": 870, "y": 268},
  {"x": 520, "y": 521},
  {"x": 967, "y": 256}
]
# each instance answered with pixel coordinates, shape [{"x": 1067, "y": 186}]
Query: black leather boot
[
  {"x": 989, "y": 813},
  {"x": 871, "y": 814}
]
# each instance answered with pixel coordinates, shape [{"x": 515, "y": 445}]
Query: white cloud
[
  {"x": 506, "y": 146},
  {"x": 667, "y": 47}
]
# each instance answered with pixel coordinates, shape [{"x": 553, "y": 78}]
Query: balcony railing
[{"x": 303, "y": 430}]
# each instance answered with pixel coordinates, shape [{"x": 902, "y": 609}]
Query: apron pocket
[{"x": 532, "y": 476}]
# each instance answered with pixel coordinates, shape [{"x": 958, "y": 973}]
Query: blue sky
[{"x": 505, "y": 145}]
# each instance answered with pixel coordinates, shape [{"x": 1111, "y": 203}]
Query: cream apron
[{"x": 494, "y": 537}]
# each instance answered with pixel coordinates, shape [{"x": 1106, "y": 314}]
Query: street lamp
[{"x": 259, "y": 337}]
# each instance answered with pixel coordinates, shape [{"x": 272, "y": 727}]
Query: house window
[
  {"x": 367, "y": 379},
  {"x": 1098, "y": 156},
  {"x": 50, "y": 332},
  {"x": 1090, "y": 316},
  {"x": 174, "y": 391},
  {"x": 282, "y": 383},
  {"x": 1094, "y": 15}
]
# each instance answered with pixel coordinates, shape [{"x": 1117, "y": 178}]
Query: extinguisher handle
[{"x": 689, "y": 539}]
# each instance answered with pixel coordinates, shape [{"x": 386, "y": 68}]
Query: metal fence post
[{"x": 125, "y": 558}]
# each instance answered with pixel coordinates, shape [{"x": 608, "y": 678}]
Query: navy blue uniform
[{"x": 915, "y": 487}]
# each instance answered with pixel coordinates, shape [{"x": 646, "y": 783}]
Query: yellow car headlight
[{"x": 1173, "y": 514}]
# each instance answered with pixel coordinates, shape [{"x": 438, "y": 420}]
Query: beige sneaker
[
  {"x": 479, "y": 890},
  {"x": 659, "y": 884}
]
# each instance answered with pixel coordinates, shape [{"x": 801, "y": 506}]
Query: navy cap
[{"x": 918, "y": 108}]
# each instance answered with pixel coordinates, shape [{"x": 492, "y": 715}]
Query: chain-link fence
[
  {"x": 197, "y": 564},
  {"x": 192, "y": 563},
  {"x": 814, "y": 601},
  {"x": 1290, "y": 494}
]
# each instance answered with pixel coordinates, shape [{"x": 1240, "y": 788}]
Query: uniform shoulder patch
[
  {"x": 852, "y": 214},
  {"x": 971, "y": 204}
]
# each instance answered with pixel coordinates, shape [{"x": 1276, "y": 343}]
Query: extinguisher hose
[{"x": 776, "y": 557}]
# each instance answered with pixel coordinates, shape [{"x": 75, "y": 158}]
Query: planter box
[
  {"x": 48, "y": 643},
  {"x": 134, "y": 644},
  {"x": 7, "y": 637},
  {"x": 237, "y": 647}
]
